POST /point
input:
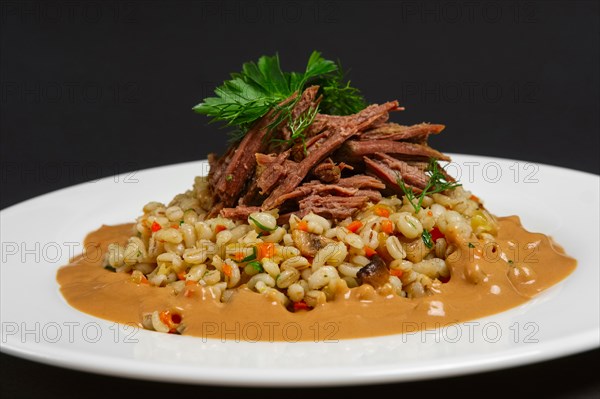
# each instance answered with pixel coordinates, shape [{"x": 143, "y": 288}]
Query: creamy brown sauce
[{"x": 482, "y": 283}]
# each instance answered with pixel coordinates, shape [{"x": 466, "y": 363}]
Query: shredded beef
[
  {"x": 240, "y": 212},
  {"x": 364, "y": 119},
  {"x": 354, "y": 150},
  {"x": 388, "y": 176},
  {"x": 394, "y": 131},
  {"x": 341, "y": 164},
  {"x": 332, "y": 206}
]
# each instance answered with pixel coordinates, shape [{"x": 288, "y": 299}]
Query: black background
[{"x": 91, "y": 89}]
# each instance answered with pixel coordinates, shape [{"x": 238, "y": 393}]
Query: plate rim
[{"x": 586, "y": 340}]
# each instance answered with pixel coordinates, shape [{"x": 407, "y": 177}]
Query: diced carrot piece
[
  {"x": 238, "y": 256},
  {"x": 396, "y": 272},
  {"x": 227, "y": 270},
  {"x": 155, "y": 227},
  {"x": 181, "y": 275},
  {"x": 474, "y": 198},
  {"x": 387, "y": 226},
  {"x": 302, "y": 225},
  {"x": 381, "y": 211},
  {"x": 266, "y": 250},
  {"x": 219, "y": 228},
  {"x": 369, "y": 251},
  {"x": 190, "y": 282},
  {"x": 354, "y": 226}
]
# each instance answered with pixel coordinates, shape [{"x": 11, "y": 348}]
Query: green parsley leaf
[
  {"x": 262, "y": 86},
  {"x": 471, "y": 245}
]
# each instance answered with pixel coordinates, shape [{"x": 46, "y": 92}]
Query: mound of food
[
  {"x": 306, "y": 205},
  {"x": 318, "y": 197}
]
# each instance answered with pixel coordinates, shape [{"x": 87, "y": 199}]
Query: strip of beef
[
  {"x": 328, "y": 171},
  {"x": 394, "y": 131},
  {"x": 240, "y": 212},
  {"x": 410, "y": 174},
  {"x": 241, "y": 164},
  {"x": 318, "y": 188},
  {"x": 372, "y": 195},
  {"x": 362, "y": 182},
  {"x": 218, "y": 165},
  {"x": 354, "y": 150},
  {"x": 388, "y": 176},
  {"x": 332, "y": 206},
  {"x": 270, "y": 169},
  {"x": 363, "y": 120}
]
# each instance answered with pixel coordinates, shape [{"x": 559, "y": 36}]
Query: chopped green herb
[
  {"x": 229, "y": 177},
  {"x": 257, "y": 266},
  {"x": 471, "y": 245},
  {"x": 252, "y": 256},
  {"x": 437, "y": 183},
  {"x": 427, "y": 239},
  {"x": 139, "y": 253},
  {"x": 110, "y": 268},
  {"x": 182, "y": 222},
  {"x": 259, "y": 225},
  {"x": 510, "y": 262}
]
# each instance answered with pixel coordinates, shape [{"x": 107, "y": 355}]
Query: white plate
[{"x": 39, "y": 235}]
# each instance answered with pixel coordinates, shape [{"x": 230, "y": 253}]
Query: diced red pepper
[
  {"x": 300, "y": 305},
  {"x": 436, "y": 234},
  {"x": 155, "y": 227}
]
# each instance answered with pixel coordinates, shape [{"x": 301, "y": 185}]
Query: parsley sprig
[
  {"x": 261, "y": 86},
  {"x": 437, "y": 183}
]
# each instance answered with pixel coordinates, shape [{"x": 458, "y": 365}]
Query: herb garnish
[
  {"x": 427, "y": 239},
  {"x": 110, "y": 268},
  {"x": 437, "y": 183},
  {"x": 252, "y": 256},
  {"x": 256, "y": 265},
  {"x": 298, "y": 126},
  {"x": 260, "y": 225},
  {"x": 262, "y": 86},
  {"x": 471, "y": 245}
]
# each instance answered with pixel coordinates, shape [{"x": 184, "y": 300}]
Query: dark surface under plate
[{"x": 94, "y": 89}]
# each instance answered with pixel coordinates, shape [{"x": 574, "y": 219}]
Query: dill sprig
[
  {"x": 437, "y": 183},
  {"x": 298, "y": 126},
  {"x": 262, "y": 86}
]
